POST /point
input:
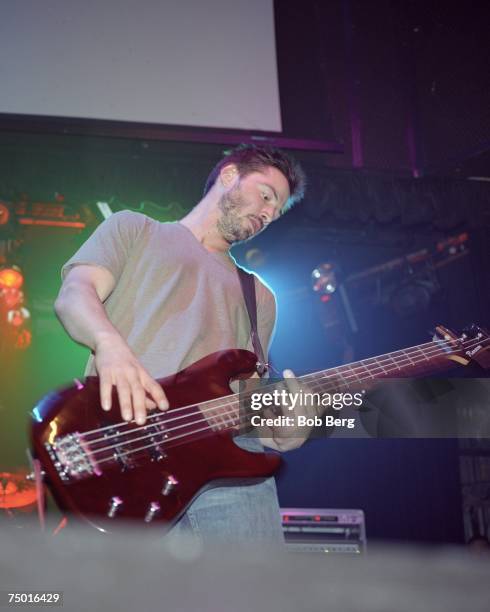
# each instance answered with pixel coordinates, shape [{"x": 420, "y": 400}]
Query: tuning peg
[{"x": 474, "y": 331}]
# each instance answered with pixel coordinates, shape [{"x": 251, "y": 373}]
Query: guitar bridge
[{"x": 71, "y": 458}]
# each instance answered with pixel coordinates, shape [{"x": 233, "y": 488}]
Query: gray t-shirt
[{"x": 174, "y": 302}]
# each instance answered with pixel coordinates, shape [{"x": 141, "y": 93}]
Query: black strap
[{"x": 247, "y": 281}]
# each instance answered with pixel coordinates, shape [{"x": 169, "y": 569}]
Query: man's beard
[{"x": 231, "y": 226}]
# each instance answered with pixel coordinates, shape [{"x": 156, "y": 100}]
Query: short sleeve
[
  {"x": 110, "y": 244},
  {"x": 266, "y": 314}
]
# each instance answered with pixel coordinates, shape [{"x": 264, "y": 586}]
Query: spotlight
[
  {"x": 324, "y": 279},
  {"x": 11, "y": 278}
]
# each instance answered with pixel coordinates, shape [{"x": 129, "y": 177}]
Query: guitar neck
[
  {"x": 360, "y": 375},
  {"x": 416, "y": 361}
]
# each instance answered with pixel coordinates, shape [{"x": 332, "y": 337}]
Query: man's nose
[{"x": 266, "y": 216}]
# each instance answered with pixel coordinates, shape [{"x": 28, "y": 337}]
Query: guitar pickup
[
  {"x": 157, "y": 437},
  {"x": 120, "y": 450}
]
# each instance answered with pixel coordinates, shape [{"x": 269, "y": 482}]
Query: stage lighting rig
[
  {"x": 14, "y": 316},
  {"x": 324, "y": 279},
  {"x": 408, "y": 283},
  {"x": 327, "y": 284}
]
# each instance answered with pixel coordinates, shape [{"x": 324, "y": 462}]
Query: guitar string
[
  {"x": 231, "y": 421},
  {"x": 156, "y": 445},
  {"x": 198, "y": 413},
  {"x": 162, "y": 416},
  {"x": 153, "y": 445},
  {"x": 327, "y": 374}
]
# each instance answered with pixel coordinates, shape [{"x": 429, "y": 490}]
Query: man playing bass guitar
[{"x": 151, "y": 298}]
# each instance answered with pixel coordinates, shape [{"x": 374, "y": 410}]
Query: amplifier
[{"x": 324, "y": 530}]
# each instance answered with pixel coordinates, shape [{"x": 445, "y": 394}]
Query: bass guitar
[{"x": 102, "y": 469}]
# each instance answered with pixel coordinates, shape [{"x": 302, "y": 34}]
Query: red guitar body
[{"x": 71, "y": 434}]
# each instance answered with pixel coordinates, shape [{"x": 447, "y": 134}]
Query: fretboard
[
  {"x": 411, "y": 362},
  {"x": 360, "y": 375}
]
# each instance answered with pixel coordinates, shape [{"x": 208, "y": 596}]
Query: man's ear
[{"x": 228, "y": 175}]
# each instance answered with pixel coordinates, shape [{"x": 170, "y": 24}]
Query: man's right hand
[
  {"x": 118, "y": 367},
  {"x": 79, "y": 307}
]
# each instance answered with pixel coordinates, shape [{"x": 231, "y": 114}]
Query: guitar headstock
[
  {"x": 477, "y": 345},
  {"x": 472, "y": 345}
]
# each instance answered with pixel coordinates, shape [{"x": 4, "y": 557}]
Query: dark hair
[{"x": 251, "y": 158}]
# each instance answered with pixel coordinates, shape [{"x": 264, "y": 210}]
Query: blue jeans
[{"x": 246, "y": 514}]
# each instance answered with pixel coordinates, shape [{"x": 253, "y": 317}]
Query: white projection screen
[{"x": 203, "y": 63}]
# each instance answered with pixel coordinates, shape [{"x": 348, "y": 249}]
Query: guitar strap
[{"x": 247, "y": 281}]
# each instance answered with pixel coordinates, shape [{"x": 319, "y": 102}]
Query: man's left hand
[{"x": 288, "y": 437}]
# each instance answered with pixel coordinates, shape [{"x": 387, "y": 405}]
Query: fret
[
  {"x": 398, "y": 360},
  {"x": 360, "y": 372},
  {"x": 314, "y": 381},
  {"x": 222, "y": 413},
  {"x": 372, "y": 366},
  {"x": 234, "y": 411},
  {"x": 327, "y": 380},
  {"x": 407, "y": 356},
  {"x": 223, "y": 416},
  {"x": 349, "y": 366},
  {"x": 418, "y": 359},
  {"x": 395, "y": 363},
  {"x": 338, "y": 374},
  {"x": 315, "y": 385},
  {"x": 318, "y": 381},
  {"x": 360, "y": 365},
  {"x": 331, "y": 385},
  {"x": 421, "y": 352},
  {"x": 380, "y": 365}
]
